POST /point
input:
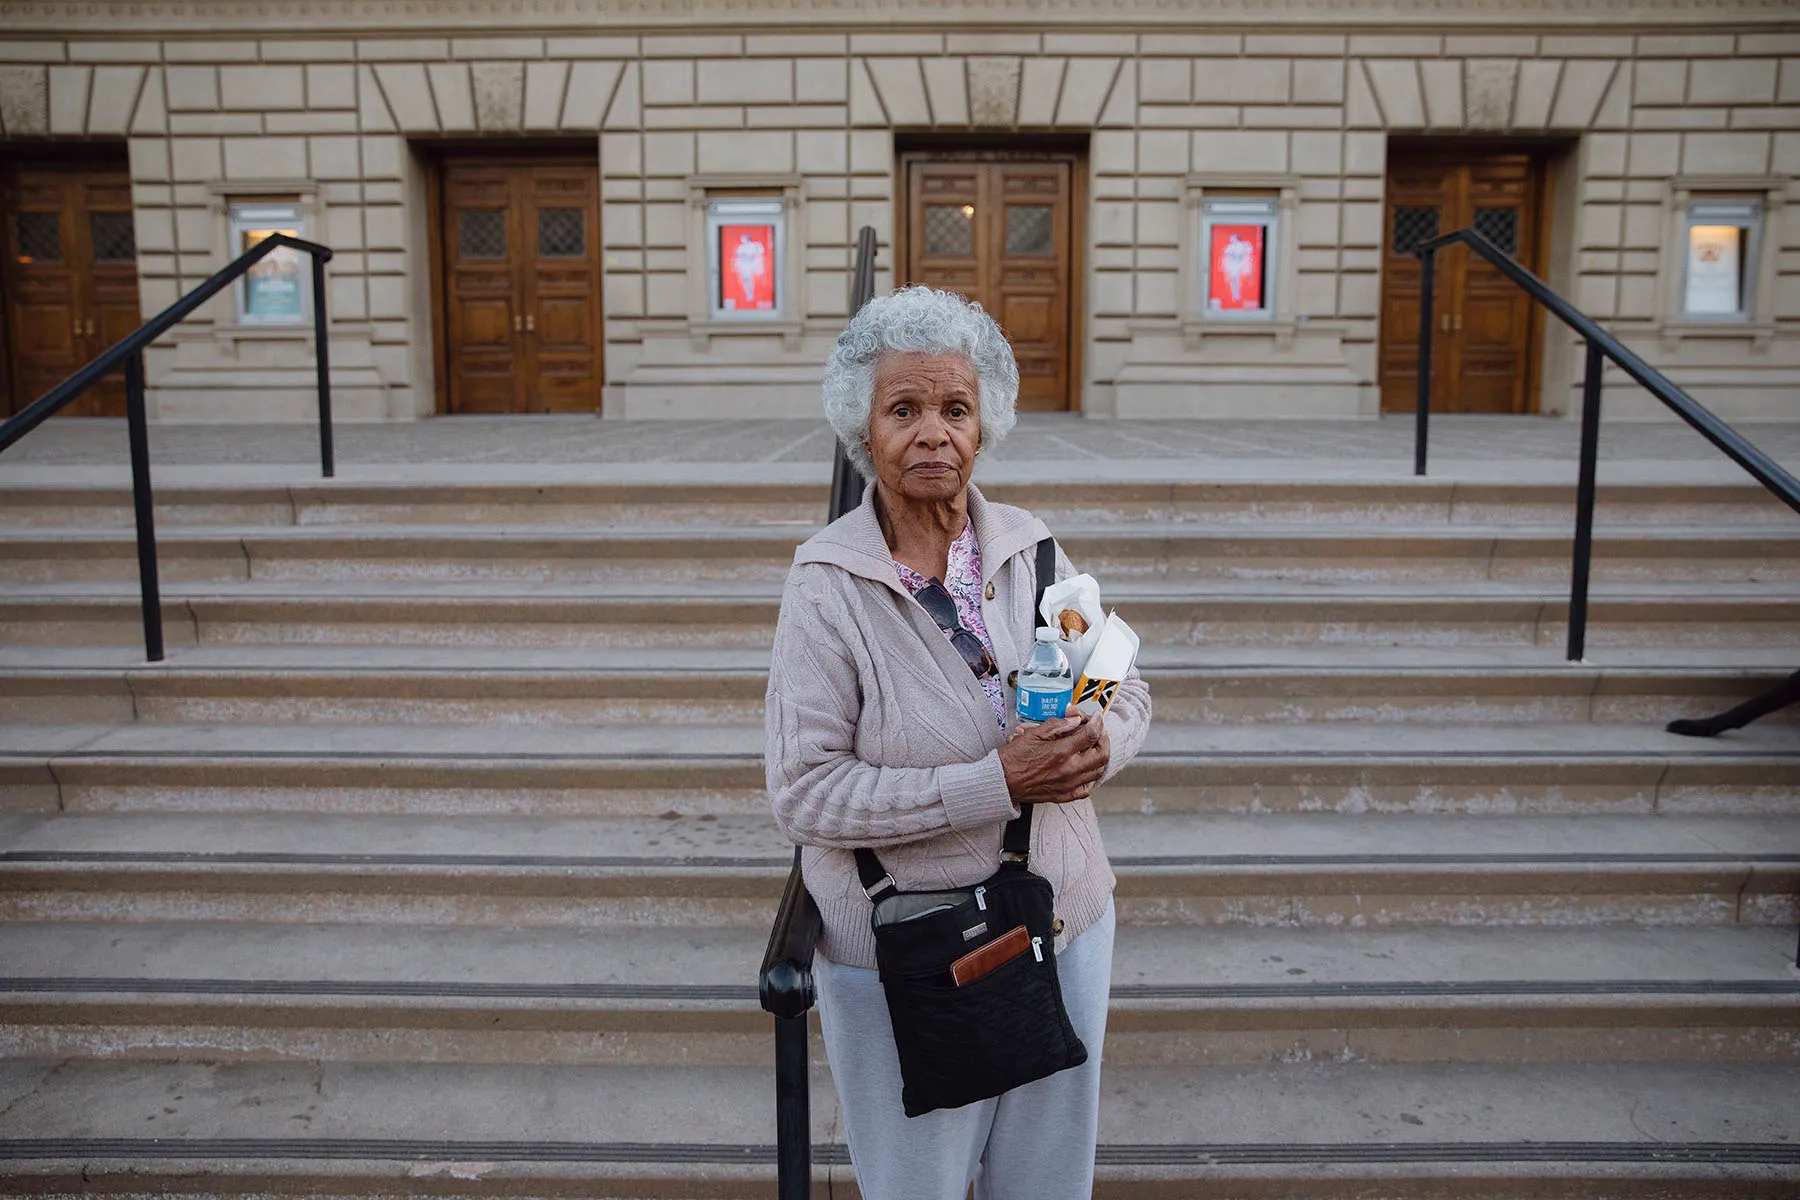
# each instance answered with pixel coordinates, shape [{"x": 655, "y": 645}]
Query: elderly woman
[{"x": 891, "y": 725}]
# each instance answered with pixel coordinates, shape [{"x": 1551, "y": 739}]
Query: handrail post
[
  {"x": 322, "y": 355},
  {"x": 1427, "y": 279},
  {"x": 846, "y": 482},
  {"x": 793, "y": 1110},
  {"x": 138, "y": 424},
  {"x": 1584, "y": 501}
]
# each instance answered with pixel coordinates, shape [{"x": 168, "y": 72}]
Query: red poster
[
  {"x": 1237, "y": 268},
  {"x": 747, "y": 267}
]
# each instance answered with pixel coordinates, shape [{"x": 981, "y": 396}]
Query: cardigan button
[
  {"x": 990, "y": 591},
  {"x": 1012, "y": 681}
]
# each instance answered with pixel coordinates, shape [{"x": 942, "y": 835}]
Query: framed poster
[
  {"x": 1235, "y": 258},
  {"x": 1237, "y": 237},
  {"x": 1714, "y": 269},
  {"x": 275, "y": 290},
  {"x": 1719, "y": 255},
  {"x": 745, "y": 240}
]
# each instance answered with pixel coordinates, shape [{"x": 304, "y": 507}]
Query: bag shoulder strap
[
  {"x": 1015, "y": 844},
  {"x": 1046, "y": 575}
]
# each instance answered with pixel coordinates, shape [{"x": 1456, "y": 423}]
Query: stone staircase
[{"x": 435, "y": 858}]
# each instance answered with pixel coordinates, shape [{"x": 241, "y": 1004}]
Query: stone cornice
[{"x": 315, "y": 17}]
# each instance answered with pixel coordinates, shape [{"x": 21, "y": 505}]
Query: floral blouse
[{"x": 965, "y": 587}]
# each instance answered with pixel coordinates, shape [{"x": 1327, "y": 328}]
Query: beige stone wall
[{"x": 1643, "y": 115}]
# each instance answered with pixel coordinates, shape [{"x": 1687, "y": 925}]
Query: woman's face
[{"x": 924, "y": 425}]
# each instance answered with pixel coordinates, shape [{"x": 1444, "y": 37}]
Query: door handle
[
  {"x": 1459, "y": 322},
  {"x": 75, "y": 327},
  {"x": 90, "y": 328},
  {"x": 1444, "y": 323},
  {"x": 530, "y": 322},
  {"x": 518, "y": 323}
]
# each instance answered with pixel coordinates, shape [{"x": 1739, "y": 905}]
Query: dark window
[
  {"x": 1029, "y": 228},
  {"x": 481, "y": 234},
  {"x": 950, "y": 230},
  {"x": 114, "y": 238},
  {"x": 1412, "y": 226},
  {"x": 1499, "y": 226},
  {"x": 561, "y": 233},
  {"x": 37, "y": 237}
]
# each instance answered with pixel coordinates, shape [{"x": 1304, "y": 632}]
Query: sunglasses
[{"x": 940, "y": 605}]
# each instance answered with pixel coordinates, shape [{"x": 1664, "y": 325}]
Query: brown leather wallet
[{"x": 1003, "y": 949}]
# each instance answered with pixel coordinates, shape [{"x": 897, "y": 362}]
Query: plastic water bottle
[{"x": 1045, "y": 684}]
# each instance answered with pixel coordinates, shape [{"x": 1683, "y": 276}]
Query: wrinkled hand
[{"x": 1056, "y": 762}]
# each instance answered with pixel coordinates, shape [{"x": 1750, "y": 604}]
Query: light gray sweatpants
[{"x": 1033, "y": 1143}]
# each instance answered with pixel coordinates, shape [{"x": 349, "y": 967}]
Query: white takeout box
[{"x": 1114, "y": 650}]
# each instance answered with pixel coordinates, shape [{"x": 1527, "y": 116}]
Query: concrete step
[
  {"x": 646, "y": 770},
  {"x": 687, "y": 997},
  {"x": 446, "y": 494},
  {"x": 1303, "y": 870},
  {"x": 414, "y": 684},
  {"x": 743, "y": 613},
  {"x": 670, "y": 554},
  {"x": 1309, "y": 1130}
]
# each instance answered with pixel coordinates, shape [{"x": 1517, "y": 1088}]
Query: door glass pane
[
  {"x": 37, "y": 237},
  {"x": 1412, "y": 226},
  {"x": 481, "y": 234},
  {"x": 114, "y": 238},
  {"x": 561, "y": 233},
  {"x": 950, "y": 229},
  {"x": 1499, "y": 226},
  {"x": 1029, "y": 228}
]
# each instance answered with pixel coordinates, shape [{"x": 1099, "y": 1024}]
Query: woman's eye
[
  {"x": 902, "y": 412},
  {"x": 958, "y": 412}
]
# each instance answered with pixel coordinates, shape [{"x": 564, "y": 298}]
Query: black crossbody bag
[{"x": 970, "y": 973}]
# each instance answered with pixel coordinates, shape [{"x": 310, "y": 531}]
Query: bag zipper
[
  {"x": 1037, "y": 948},
  {"x": 981, "y": 898}
]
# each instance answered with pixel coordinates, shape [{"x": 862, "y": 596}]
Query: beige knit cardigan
[{"x": 878, "y": 734}]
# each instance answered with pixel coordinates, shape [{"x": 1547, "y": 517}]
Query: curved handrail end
[{"x": 784, "y": 985}]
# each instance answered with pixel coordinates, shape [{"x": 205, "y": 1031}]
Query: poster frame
[
  {"x": 1743, "y": 213},
  {"x": 242, "y": 216},
  {"x": 745, "y": 210},
  {"x": 1240, "y": 210}
]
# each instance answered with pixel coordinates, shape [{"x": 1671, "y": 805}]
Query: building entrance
[
  {"x": 70, "y": 277},
  {"x": 519, "y": 295},
  {"x": 1001, "y": 230},
  {"x": 1485, "y": 354}
]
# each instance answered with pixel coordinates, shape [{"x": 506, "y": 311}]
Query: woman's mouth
[{"x": 931, "y": 468}]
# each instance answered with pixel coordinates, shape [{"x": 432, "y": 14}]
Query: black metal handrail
[
  {"x": 846, "y": 482},
  {"x": 785, "y": 983},
  {"x": 1601, "y": 346},
  {"x": 128, "y": 353}
]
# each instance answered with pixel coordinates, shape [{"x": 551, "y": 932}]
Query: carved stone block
[
  {"x": 499, "y": 95},
  {"x": 994, "y": 92},
  {"x": 1488, "y": 85},
  {"x": 24, "y": 101}
]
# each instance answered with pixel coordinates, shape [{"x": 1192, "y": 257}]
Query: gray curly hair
[{"x": 917, "y": 320}]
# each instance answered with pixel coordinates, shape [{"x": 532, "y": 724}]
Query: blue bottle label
[{"x": 1044, "y": 706}]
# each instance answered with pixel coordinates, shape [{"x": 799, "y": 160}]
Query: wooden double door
[
  {"x": 1485, "y": 341},
  {"x": 1001, "y": 232},
  {"x": 70, "y": 278},
  {"x": 519, "y": 259}
]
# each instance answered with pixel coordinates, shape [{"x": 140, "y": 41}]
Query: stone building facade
[{"x": 368, "y": 121}]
